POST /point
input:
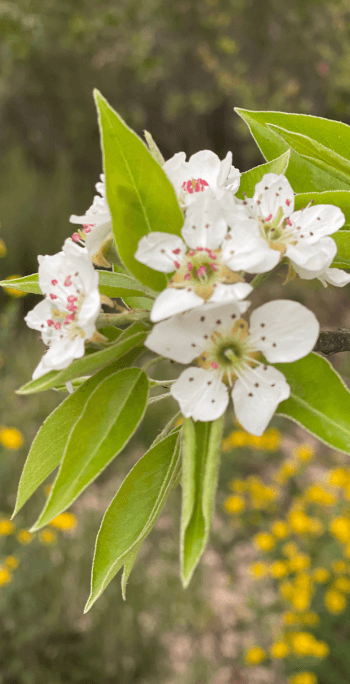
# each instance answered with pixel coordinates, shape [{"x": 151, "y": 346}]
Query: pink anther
[
  {"x": 76, "y": 237},
  {"x": 52, "y": 296},
  {"x": 268, "y": 218},
  {"x": 57, "y": 326},
  {"x": 49, "y": 322},
  {"x": 187, "y": 276},
  {"x": 214, "y": 267},
  {"x": 68, "y": 281},
  {"x": 201, "y": 271},
  {"x": 176, "y": 264},
  {"x": 288, "y": 222},
  {"x": 189, "y": 265},
  {"x": 192, "y": 252},
  {"x": 54, "y": 282},
  {"x": 287, "y": 202},
  {"x": 72, "y": 298},
  {"x": 214, "y": 365},
  {"x": 176, "y": 251}
]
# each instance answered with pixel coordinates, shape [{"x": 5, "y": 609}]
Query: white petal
[
  {"x": 233, "y": 180},
  {"x": 335, "y": 276},
  {"x": 60, "y": 355},
  {"x": 201, "y": 394},
  {"x": 225, "y": 169},
  {"x": 39, "y": 315},
  {"x": 172, "y": 301},
  {"x": 77, "y": 260},
  {"x": 271, "y": 193},
  {"x": 183, "y": 337},
  {"x": 161, "y": 251},
  {"x": 97, "y": 237},
  {"x": 310, "y": 261},
  {"x": 284, "y": 330},
  {"x": 205, "y": 225},
  {"x": 225, "y": 294},
  {"x": 206, "y": 165},
  {"x": 246, "y": 250},
  {"x": 88, "y": 312},
  {"x": 49, "y": 268},
  {"x": 317, "y": 221},
  {"x": 256, "y": 397},
  {"x": 176, "y": 170}
]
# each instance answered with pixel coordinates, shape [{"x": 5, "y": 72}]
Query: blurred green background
[{"x": 176, "y": 69}]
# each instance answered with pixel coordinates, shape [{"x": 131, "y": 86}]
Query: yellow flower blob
[
  {"x": 319, "y": 495},
  {"x": 305, "y": 644},
  {"x": 280, "y": 649},
  {"x": 3, "y": 249},
  {"x": 6, "y": 527},
  {"x": 303, "y": 678},
  {"x": 47, "y": 537},
  {"x": 280, "y": 529},
  {"x": 11, "y": 438},
  {"x": 234, "y": 504},
  {"x": 304, "y": 452},
  {"x": 290, "y": 550},
  {"x": 340, "y": 528},
  {"x": 338, "y": 477},
  {"x": 301, "y": 599},
  {"x": 321, "y": 575},
  {"x": 339, "y": 567},
  {"x": 299, "y": 522},
  {"x": 24, "y": 537},
  {"x": 334, "y": 601},
  {"x": 289, "y": 618},
  {"x": 255, "y": 655},
  {"x": 5, "y": 576},
  {"x": 64, "y": 521},
  {"x": 11, "y": 562},
  {"x": 264, "y": 541},
  {"x": 299, "y": 562},
  {"x": 258, "y": 570},
  {"x": 279, "y": 569}
]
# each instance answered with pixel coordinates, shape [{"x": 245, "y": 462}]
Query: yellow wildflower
[
  {"x": 301, "y": 599},
  {"x": 303, "y": 643},
  {"x": 12, "y": 562},
  {"x": 340, "y": 528},
  {"x": 289, "y": 618},
  {"x": 3, "y": 248},
  {"x": 264, "y": 541},
  {"x": 47, "y": 536},
  {"x": 342, "y": 584},
  {"x": 299, "y": 522},
  {"x": 299, "y": 562},
  {"x": 290, "y": 550},
  {"x": 258, "y": 570},
  {"x": 234, "y": 504},
  {"x": 315, "y": 526},
  {"x": 11, "y": 438},
  {"x": 321, "y": 649},
  {"x": 269, "y": 441},
  {"x": 319, "y": 495},
  {"x": 286, "y": 590},
  {"x": 310, "y": 619},
  {"x": 64, "y": 521},
  {"x": 303, "y": 678},
  {"x": 24, "y": 536},
  {"x": 5, "y": 576},
  {"x": 347, "y": 551},
  {"x": 279, "y": 569},
  {"x": 238, "y": 486},
  {"x": 237, "y": 438},
  {"x": 339, "y": 477},
  {"x": 339, "y": 567},
  {"x": 279, "y": 649},
  {"x": 255, "y": 655},
  {"x": 321, "y": 575},
  {"x": 6, "y": 527},
  {"x": 279, "y": 529},
  {"x": 334, "y": 601},
  {"x": 304, "y": 452},
  {"x": 287, "y": 470}
]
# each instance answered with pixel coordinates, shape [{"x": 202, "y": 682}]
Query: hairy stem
[{"x": 333, "y": 341}]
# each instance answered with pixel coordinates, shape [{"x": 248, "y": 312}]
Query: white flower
[
  {"x": 67, "y": 315},
  {"x": 275, "y": 230},
  {"x": 96, "y": 222},
  {"x": 204, "y": 171},
  {"x": 229, "y": 358},
  {"x": 199, "y": 261}
]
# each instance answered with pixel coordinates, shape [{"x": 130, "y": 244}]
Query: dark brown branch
[{"x": 333, "y": 341}]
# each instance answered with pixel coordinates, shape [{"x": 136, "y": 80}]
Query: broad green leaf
[
  {"x": 340, "y": 198},
  {"x": 88, "y": 364},
  {"x": 319, "y": 400},
  {"x": 140, "y": 196},
  {"x": 138, "y": 303},
  {"x": 120, "y": 285},
  {"x": 249, "y": 179},
  {"x": 133, "y": 512},
  {"x": 318, "y": 154},
  {"x": 50, "y": 442},
  {"x": 303, "y": 175},
  {"x": 342, "y": 257},
  {"x": 111, "y": 415},
  {"x": 28, "y": 283},
  {"x": 201, "y": 450}
]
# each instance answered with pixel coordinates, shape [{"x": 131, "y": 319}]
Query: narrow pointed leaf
[
  {"x": 249, "y": 179},
  {"x": 140, "y": 196},
  {"x": 50, "y": 442},
  {"x": 319, "y": 400},
  {"x": 133, "y": 512},
  {"x": 119, "y": 284},
  {"x": 110, "y": 417},
  {"x": 201, "y": 450},
  {"x": 28, "y": 284},
  {"x": 88, "y": 364}
]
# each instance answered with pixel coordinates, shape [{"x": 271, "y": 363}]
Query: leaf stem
[{"x": 121, "y": 318}]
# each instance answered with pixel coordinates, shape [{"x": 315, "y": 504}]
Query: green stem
[
  {"x": 161, "y": 383},
  {"x": 259, "y": 279},
  {"x": 159, "y": 397},
  {"x": 121, "y": 318},
  {"x": 152, "y": 362}
]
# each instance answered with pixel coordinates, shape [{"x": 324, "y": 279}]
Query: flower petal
[
  {"x": 232, "y": 293},
  {"x": 97, "y": 237},
  {"x": 256, "y": 396},
  {"x": 172, "y": 301},
  {"x": 246, "y": 250},
  {"x": 161, "y": 251},
  {"x": 201, "y": 394},
  {"x": 205, "y": 225},
  {"x": 271, "y": 193},
  {"x": 310, "y": 260},
  {"x": 335, "y": 276},
  {"x": 284, "y": 330},
  {"x": 317, "y": 221},
  {"x": 41, "y": 312},
  {"x": 60, "y": 355}
]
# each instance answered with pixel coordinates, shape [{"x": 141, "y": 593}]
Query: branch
[{"x": 333, "y": 341}]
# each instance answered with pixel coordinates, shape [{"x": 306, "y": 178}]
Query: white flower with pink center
[
  {"x": 96, "y": 222},
  {"x": 66, "y": 317},
  {"x": 203, "y": 172},
  {"x": 265, "y": 228},
  {"x": 230, "y": 361}
]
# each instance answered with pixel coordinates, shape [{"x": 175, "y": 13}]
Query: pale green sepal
[{"x": 153, "y": 148}]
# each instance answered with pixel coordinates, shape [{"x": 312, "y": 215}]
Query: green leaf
[
  {"x": 303, "y": 175},
  {"x": 133, "y": 512},
  {"x": 319, "y": 400},
  {"x": 89, "y": 364},
  {"x": 340, "y": 198},
  {"x": 201, "y": 450},
  {"x": 120, "y": 285},
  {"x": 153, "y": 148},
  {"x": 249, "y": 179},
  {"x": 342, "y": 257},
  {"x": 317, "y": 154},
  {"x": 138, "y": 303},
  {"x": 50, "y": 442},
  {"x": 140, "y": 196},
  {"x": 111, "y": 415},
  {"x": 28, "y": 283}
]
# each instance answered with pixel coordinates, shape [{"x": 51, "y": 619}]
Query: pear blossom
[
  {"x": 203, "y": 172},
  {"x": 198, "y": 262},
  {"x": 265, "y": 228},
  {"x": 229, "y": 357},
  {"x": 66, "y": 317},
  {"x": 96, "y": 222}
]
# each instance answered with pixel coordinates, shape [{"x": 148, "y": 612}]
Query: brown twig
[{"x": 333, "y": 341}]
